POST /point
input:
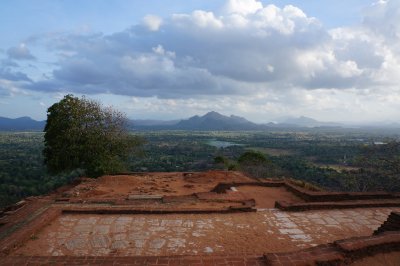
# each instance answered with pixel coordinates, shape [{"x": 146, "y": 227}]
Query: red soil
[
  {"x": 167, "y": 184},
  {"x": 246, "y": 233},
  {"x": 265, "y": 197}
]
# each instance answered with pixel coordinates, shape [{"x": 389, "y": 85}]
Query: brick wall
[
  {"x": 391, "y": 224},
  {"x": 24, "y": 232},
  {"x": 341, "y": 252}
]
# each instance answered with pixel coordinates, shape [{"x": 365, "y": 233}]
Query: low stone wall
[
  {"x": 12, "y": 207},
  {"x": 223, "y": 187},
  {"x": 342, "y": 252},
  {"x": 321, "y": 200},
  {"x": 361, "y": 247},
  {"x": 130, "y": 210},
  {"x": 391, "y": 224},
  {"x": 233, "y": 260},
  {"x": 179, "y": 199},
  {"x": 28, "y": 231},
  {"x": 312, "y": 196},
  {"x": 324, "y": 205},
  {"x": 319, "y": 196}
]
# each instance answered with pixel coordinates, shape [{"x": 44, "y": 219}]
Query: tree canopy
[
  {"x": 81, "y": 134},
  {"x": 255, "y": 164},
  {"x": 252, "y": 158}
]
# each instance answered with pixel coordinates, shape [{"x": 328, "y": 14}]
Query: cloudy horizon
[{"x": 258, "y": 59}]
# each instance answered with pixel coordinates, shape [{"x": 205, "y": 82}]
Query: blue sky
[{"x": 330, "y": 60}]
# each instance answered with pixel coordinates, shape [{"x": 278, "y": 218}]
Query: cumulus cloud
[
  {"x": 200, "y": 53},
  {"x": 152, "y": 22},
  {"x": 198, "y": 19},
  {"x": 247, "y": 49},
  {"x": 383, "y": 19},
  {"x": 243, "y": 7},
  {"x": 20, "y": 52},
  {"x": 10, "y": 88}
]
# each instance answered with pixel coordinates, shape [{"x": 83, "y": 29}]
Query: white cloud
[
  {"x": 198, "y": 19},
  {"x": 348, "y": 69},
  {"x": 20, "y": 52},
  {"x": 250, "y": 56},
  {"x": 152, "y": 22},
  {"x": 249, "y": 48},
  {"x": 206, "y": 19},
  {"x": 159, "y": 49},
  {"x": 243, "y": 7},
  {"x": 383, "y": 19},
  {"x": 11, "y": 88}
]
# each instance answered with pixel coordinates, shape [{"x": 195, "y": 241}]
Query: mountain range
[
  {"x": 303, "y": 121},
  {"x": 216, "y": 121},
  {"x": 210, "y": 121},
  {"x": 24, "y": 123}
]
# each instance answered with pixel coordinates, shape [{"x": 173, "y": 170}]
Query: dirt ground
[
  {"x": 265, "y": 197},
  {"x": 266, "y": 230},
  {"x": 221, "y": 234},
  {"x": 176, "y": 184},
  {"x": 119, "y": 186}
]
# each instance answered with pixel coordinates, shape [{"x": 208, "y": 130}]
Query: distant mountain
[
  {"x": 150, "y": 122},
  {"x": 216, "y": 121},
  {"x": 21, "y": 124},
  {"x": 303, "y": 121},
  {"x": 210, "y": 121}
]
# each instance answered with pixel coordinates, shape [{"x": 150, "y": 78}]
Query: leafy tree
[
  {"x": 256, "y": 164},
  {"x": 220, "y": 159},
  {"x": 81, "y": 134},
  {"x": 386, "y": 156},
  {"x": 252, "y": 158},
  {"x": 380, "y": 168},
  {"x": 221, "y": 162}
]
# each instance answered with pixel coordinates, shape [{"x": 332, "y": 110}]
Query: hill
[
  {"x": 303, "y": 121},
  {"x": 216, "y": 121},
  {"x": 210, "y": 121},
  {"x": 151, "y": 122},
  {"x": 21, "y": 124}
]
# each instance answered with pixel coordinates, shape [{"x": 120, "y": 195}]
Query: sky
[{"x": 170, "y": 59}]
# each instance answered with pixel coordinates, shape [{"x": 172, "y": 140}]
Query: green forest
[{"x": 333, "y": 160}]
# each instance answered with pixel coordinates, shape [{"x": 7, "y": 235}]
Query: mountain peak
[
  {"x": 213, "y": 114},
  {"x": 24, "y": 118},
  {"x": 216, "y": 121},
  {"x": 21, "y": 123},
  {"x": 308, "y": 122}
]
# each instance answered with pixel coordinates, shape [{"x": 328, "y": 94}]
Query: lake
[{"x": 222, "y": 144}]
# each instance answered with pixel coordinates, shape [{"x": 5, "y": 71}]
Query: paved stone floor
[{"x": 268, "y": 230}]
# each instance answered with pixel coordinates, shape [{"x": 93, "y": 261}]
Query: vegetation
[
  {"x": 81, "y": 134},
  {"x": 335, "y": 160},
  {"x": 256, "y": 164},
  {"x": 22, "y": 172}
]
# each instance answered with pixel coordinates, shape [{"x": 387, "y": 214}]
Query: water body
[{"x": 222, "y": 144}]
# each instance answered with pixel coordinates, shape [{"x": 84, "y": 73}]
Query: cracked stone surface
[{"x": 269, "y": 230}]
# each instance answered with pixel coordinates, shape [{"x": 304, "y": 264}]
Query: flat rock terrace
[{"x": 208, "y": 218}]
